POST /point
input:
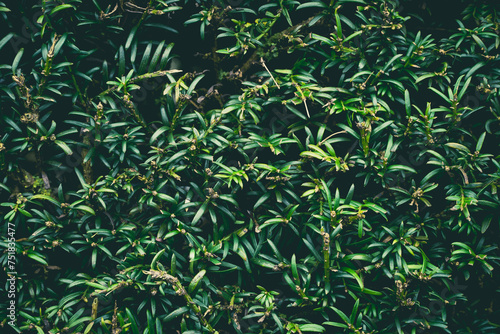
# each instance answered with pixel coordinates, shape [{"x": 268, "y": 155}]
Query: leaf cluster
[{"x": 250, "y": 166}]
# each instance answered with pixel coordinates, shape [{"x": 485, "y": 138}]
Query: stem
[
  {"x": 137, "y": 79},
  {"x": 146, "y": 11},
  {"x": 330, "y": 136},
  {"x": 269, "y": 27},
  {"x": 80, "y": 95},
  {"x": 130, "y": 106},
  {"x": 48, "y": 65},
  {"x": 87, "y": 166},
  {"x": 307, "y": 109},
  {"x": 276, "y": 37},
  {"x": 179, "y": 289},
  {"x": 326, "y": 254},
  {"x": 272, "y": 77}
]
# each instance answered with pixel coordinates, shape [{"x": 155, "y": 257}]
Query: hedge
[{"x": 249, "y": 166}]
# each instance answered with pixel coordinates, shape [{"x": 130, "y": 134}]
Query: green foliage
[{"x": 264, "y": 167}]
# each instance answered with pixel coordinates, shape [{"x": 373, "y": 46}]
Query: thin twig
[
  {"x": 272, "y": 77},
  {"x": 307, "y": 109},
  {"x": 276, "y": 37},
  {"x": 179, "y": 289},
  {"x": 330, "y": 136},
  {"x": 139, "y": 78}
]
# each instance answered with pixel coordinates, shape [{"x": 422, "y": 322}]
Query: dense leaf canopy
[{"x": 249, "y": 166}]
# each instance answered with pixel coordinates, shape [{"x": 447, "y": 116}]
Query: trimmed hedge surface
[{"x": 249, "y": 166}]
